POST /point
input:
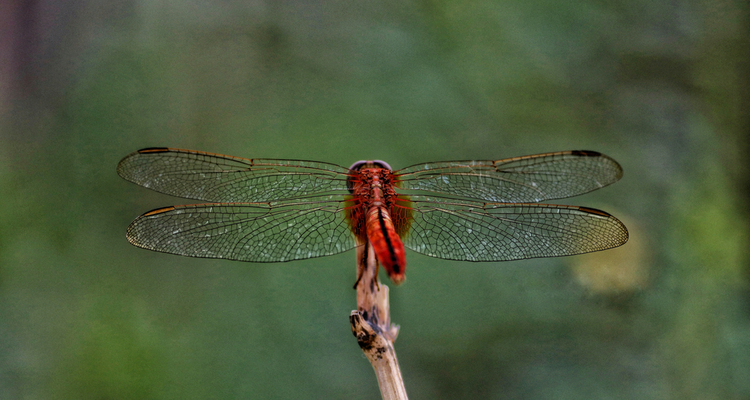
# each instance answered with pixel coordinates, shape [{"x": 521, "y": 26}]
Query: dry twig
[{"x": 371, "y": 324}]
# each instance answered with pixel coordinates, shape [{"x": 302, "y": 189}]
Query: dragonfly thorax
[
  {"x": 372, "y": 187},
  {"x": 358, "y": 167}
]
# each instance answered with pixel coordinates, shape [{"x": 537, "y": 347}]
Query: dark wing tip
[
  {"x": 158, "y": 211},
  {"x": 586, "y": 153},
  {"x": 124, "y": 166},
  {"x": 154, "y": 150},
  {"x": 594, "y": 211},
  {"x": 623, "y": 234},
  {"x": 133, "y": 232},
  {"x": 591, "y": 153}
]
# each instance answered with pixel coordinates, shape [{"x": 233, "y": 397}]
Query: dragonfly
[{"x": 275, "y": 210}]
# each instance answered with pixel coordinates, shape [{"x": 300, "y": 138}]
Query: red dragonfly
[{"x": 266, "y": 210}]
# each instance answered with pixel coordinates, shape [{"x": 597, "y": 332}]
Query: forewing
[
  {"x": 219, "y": 178},
  {"x": 472, "y": 231},
  {"x": 514, "y": 180},
  {"x": 257, "y": 232}
]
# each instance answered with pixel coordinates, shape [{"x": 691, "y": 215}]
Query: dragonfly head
[{"x": 359, "y": 165}]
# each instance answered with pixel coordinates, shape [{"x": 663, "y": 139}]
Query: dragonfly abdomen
[{"x": 388, "y": 247}]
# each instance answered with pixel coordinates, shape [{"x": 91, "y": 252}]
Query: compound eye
[
  {"x": 382, "y": 164},
  {"x": 370, "y": 164},
  {"x": 358, "y": 165}
]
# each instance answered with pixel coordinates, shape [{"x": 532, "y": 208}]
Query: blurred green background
[{"x": 663, "y": 87}]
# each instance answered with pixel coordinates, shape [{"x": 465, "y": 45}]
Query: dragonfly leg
[
  {"x": 361, "y": 263},
  {"x": 377, "y": 269},
  {"x": 360, "y": 272}
]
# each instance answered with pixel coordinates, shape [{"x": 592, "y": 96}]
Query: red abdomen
[{"x": 386, "y": 243}]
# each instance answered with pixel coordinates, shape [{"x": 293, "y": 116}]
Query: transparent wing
[
  {"x": 513, "y": 180},
  {"x": 473, "y": 231},
  {"x": 219, "y": 178},
  {"x": 282, "y": 210},
  {"x": 257, "y": 232}
]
